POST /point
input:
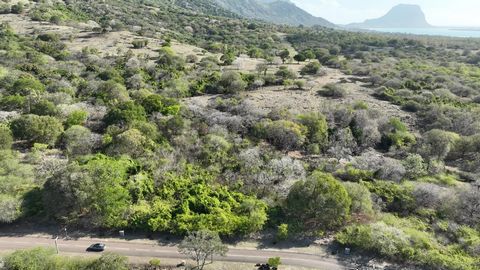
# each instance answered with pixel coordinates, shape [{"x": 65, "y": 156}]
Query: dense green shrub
[
  {"x": 282, "y": 232},
  {"x": 192, "y": 202},
  {"x": 333, "y": 91},
  {"x": 16, "y": 181},
  {"x": 319, "y": 203},
  {"x": 436, "y": 144},
  {"x": 6, "y": 137},
  {"x": 352, "y": 174},
  {"x": 216, "y": 150},
  {"x": 37, "y": 129},
  {"x": 139, "y": 43},
  {"x": 43, "y": 259},
  {"x": 300, "y": 57},
  {"x": 131, "y": 142},
  {"x": 18, "y": 8},
  {"x": 406, "y": 240},
  {"x": 317, "y": 129},
  {"x": 362, "y": 204},
  {"x": 415, "y": 166},
  {"x": 125, "y": 113},
  {"x": 26, "y": 259},
  {"x": 110, "y": 261},
  {"x": 283, "y": 134},
  {"x": 396, "y": 135},
  {"x": 231, "y": 82},
  {"x": 159, "y": 192},
  {"x": 395, "y": 197},
  {"x": 285, "y": 74},
  {"x": 91, "y": 190},
  {"x": 44, "y": 107},
  {"x": 13, "y": 103},
  {"x": 76, "y": 118},
  {"x": 112, "y": 92},
  {"x": 25, "y": 85},
  {"x": 9, "y": 208},
  {"x": 311, "y": 68},
  {"x": 156, "y": 103},
  {"x": 78, "y": 141}
]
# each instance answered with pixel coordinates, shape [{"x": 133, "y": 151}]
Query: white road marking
[{"x": 119, "y": 248}]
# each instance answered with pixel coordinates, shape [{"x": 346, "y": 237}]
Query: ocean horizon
[{"x": 462, "y": 32}]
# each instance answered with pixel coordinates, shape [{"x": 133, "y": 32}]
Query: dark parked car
[{"x": 98, "y": 247}]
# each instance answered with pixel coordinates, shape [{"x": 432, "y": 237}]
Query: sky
[{"x": 438, "y": 12}]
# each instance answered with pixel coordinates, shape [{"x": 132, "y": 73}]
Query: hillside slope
[{"x": 280, "y": 11}]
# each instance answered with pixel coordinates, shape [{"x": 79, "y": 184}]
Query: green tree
[
  {"x": 231, "y": 82},
  {"x": 415, "y": 166},
  {"x": 284, "y": 55},
  {"x": 125, "y": 113},
  {"x": 16, "y": 180},
  {"x": 300, "y": 57},
  {"x": 216, "y": 150},
  {"x": 320, "y": 202},
  {"x": 311, "y": 68},
  {"x": 202, "y": 245},
  {"x": 37, "y": 129},
  {"x": 93, "y": 190}
]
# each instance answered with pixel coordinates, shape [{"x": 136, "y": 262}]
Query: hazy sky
[{"x": 438, "y": 12}]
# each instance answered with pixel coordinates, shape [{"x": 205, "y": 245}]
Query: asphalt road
[{"x": 134, "y": 249}]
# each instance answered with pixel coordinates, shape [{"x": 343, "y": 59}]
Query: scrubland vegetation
[{"x": 111, "y": 137}]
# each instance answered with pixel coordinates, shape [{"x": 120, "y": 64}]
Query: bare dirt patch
[
  {"x": 301, "y": 101},
  {"x": 80, "y": 35}
]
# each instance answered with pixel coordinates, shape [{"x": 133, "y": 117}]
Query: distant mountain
[
  {"x": 276, "y": 11},
  {"x": 400, "y": 16},
  {"x": 209, "y": 7}
]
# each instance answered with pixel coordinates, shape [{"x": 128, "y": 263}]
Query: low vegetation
[{"x": 120, "y": 139}]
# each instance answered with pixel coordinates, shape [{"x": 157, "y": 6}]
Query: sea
[{"x": 434, "y": 31}]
